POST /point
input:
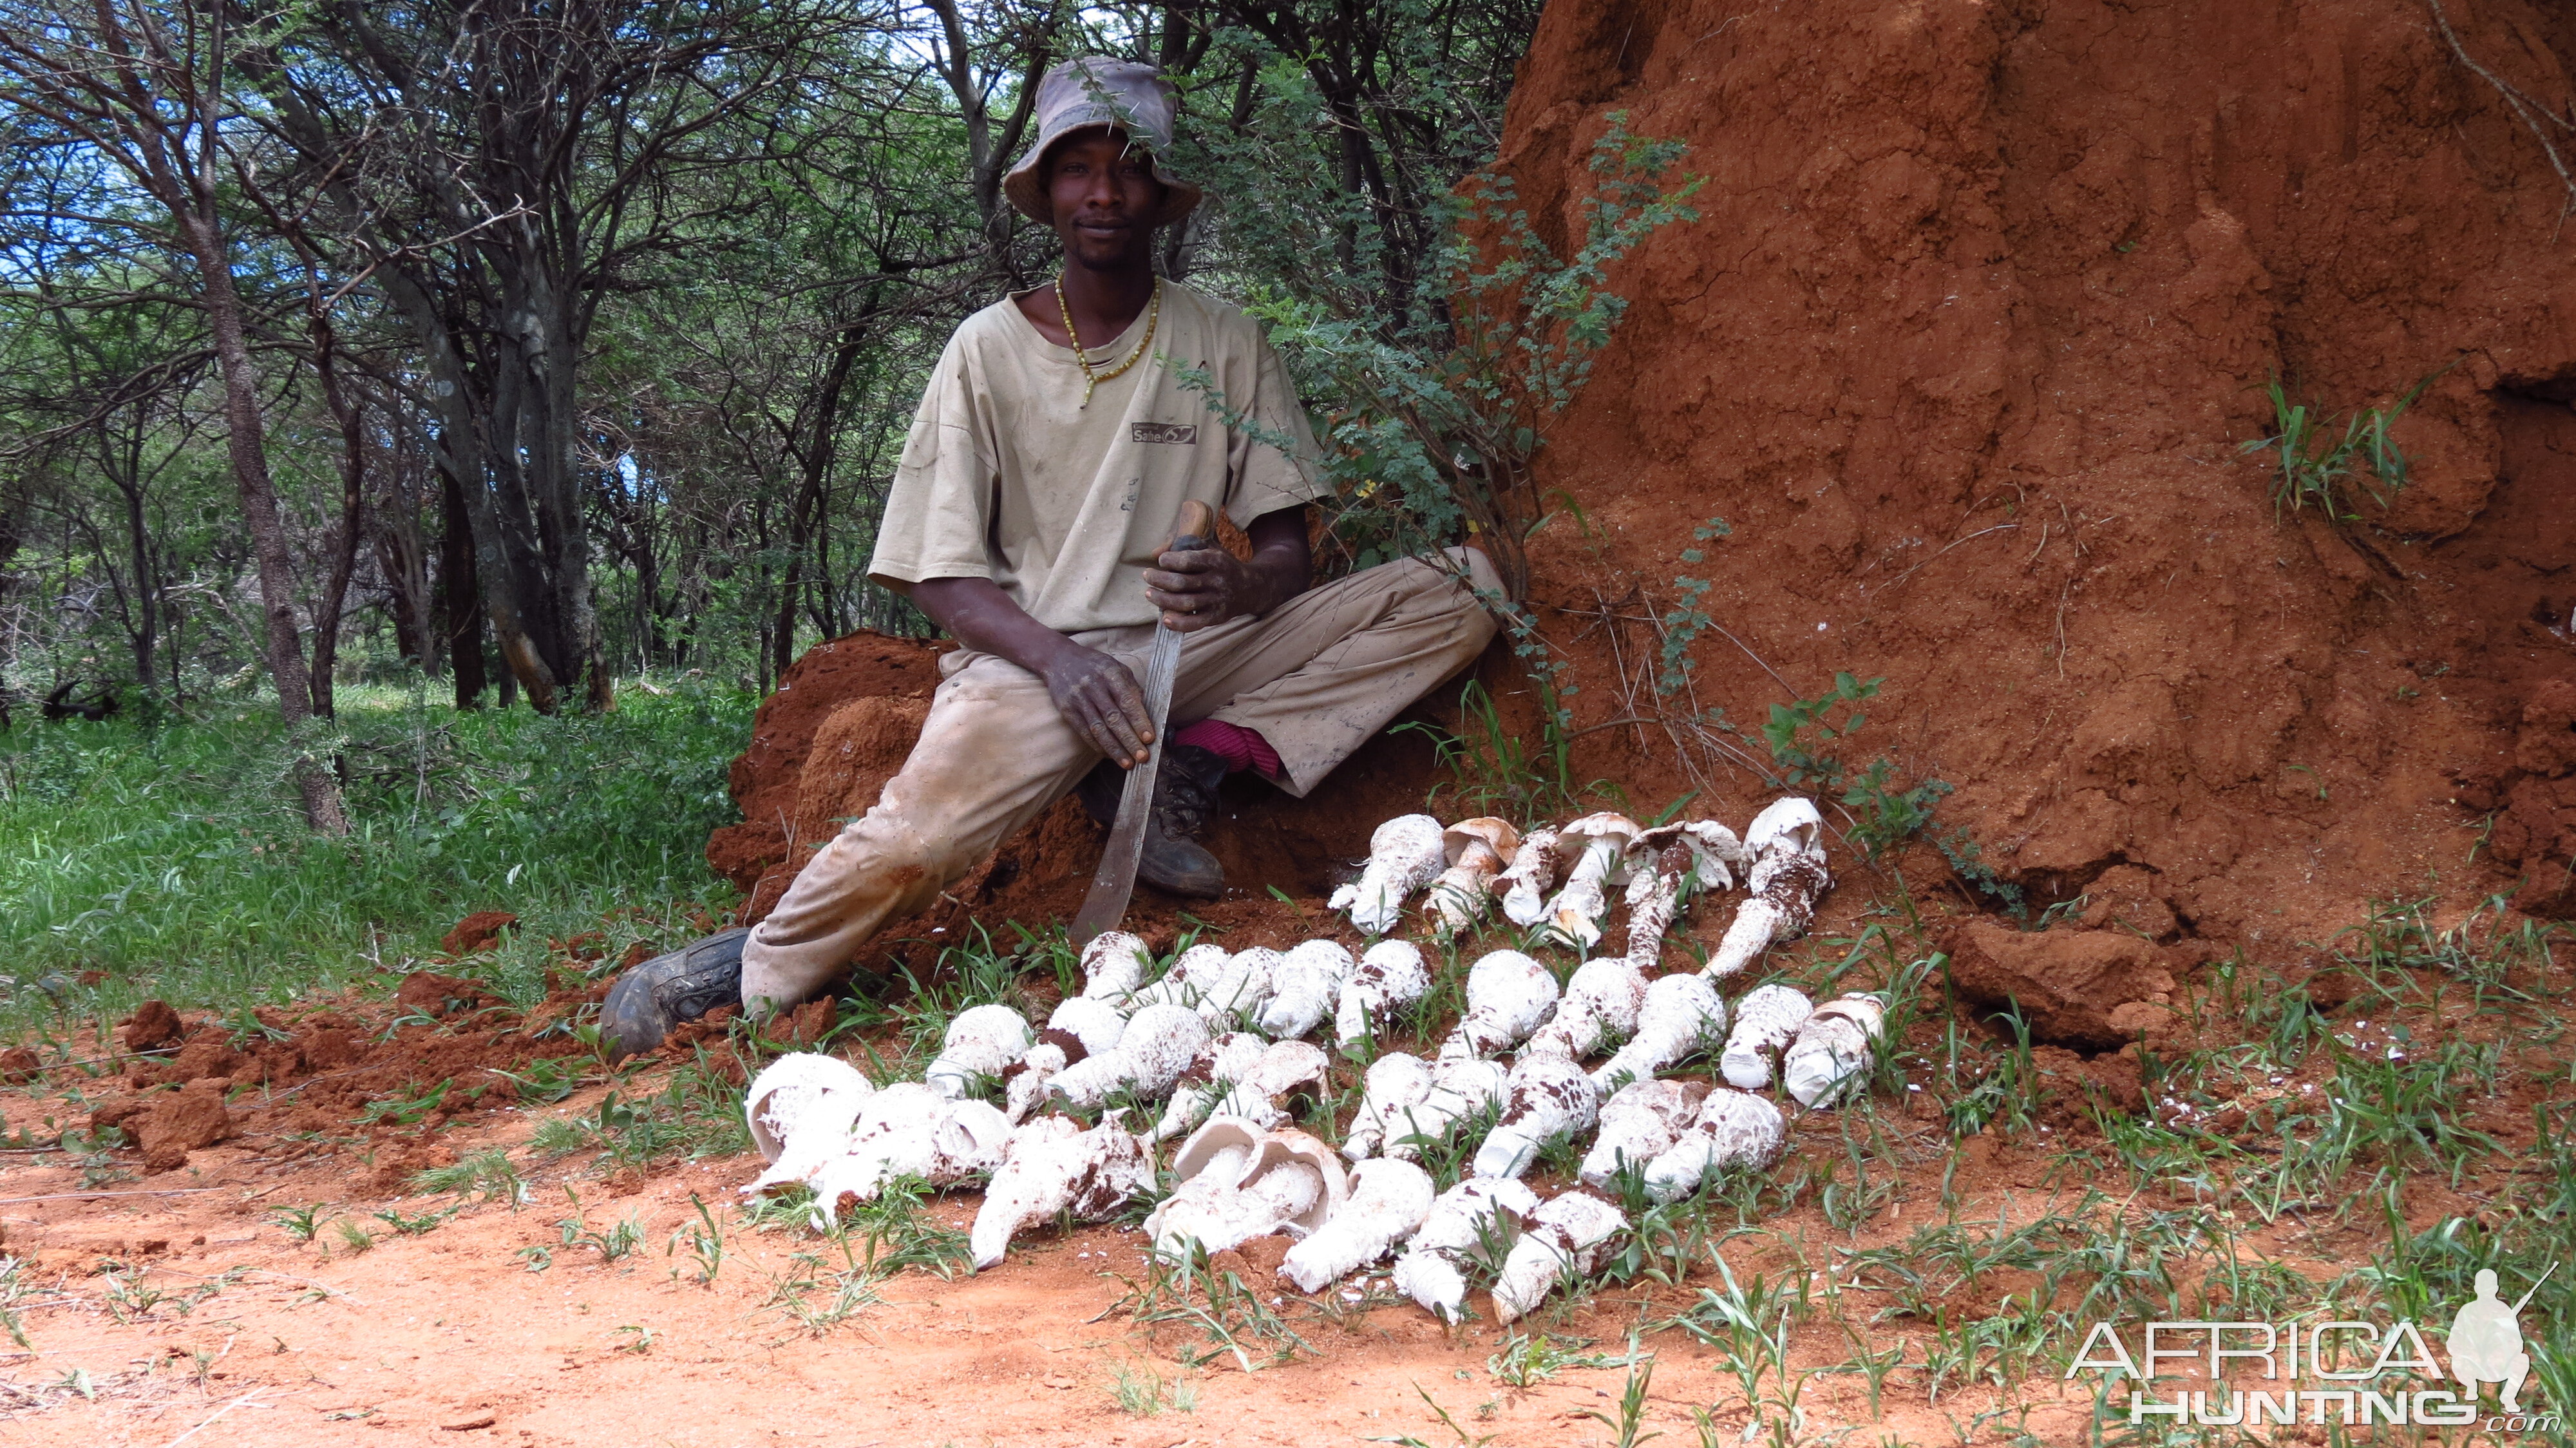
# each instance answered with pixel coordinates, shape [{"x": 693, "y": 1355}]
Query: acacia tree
[
  {"x": 141, "y": 84},
  {"x": 497, "y": 168},
  {"x": 772, "y": 389}
]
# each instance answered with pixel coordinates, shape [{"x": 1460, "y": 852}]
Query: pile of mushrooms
[{"x": 1210, "y": 1051}]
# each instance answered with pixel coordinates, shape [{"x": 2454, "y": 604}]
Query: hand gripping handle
[{"x": 1193, "y": 530}]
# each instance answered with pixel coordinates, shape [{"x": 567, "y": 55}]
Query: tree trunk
[
  {"x": 461, "y": 595},
  {"x": 246, "y": 443},
  {"x": 147, "y": 587},
  {"x": 348, "y": 411},
  {"x": 404, "y": 561}
]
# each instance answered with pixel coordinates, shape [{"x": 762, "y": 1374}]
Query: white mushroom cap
[
  {"x": 797, "y": 1086},
  {"x": 1254, "y": 1152},
  {"x": 1331, "y": 955},
  {"x": 1094, "y": 1022},
  {"x": 1714, "y": 849},
  {"x": 1608, "y": 826},
  {"x": 1789, "y": 823}
]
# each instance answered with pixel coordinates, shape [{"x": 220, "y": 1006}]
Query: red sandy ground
[{"x": 445, "y": 1333}]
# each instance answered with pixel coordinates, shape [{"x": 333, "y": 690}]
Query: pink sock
[{"x": 1239, "y": 747}]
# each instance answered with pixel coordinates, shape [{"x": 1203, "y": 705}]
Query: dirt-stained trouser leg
[
  {"x": 1316, "y": 676},
  {"x": 992, "y": 754}
]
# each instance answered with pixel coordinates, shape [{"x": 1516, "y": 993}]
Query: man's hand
[
  {"x": 1202, "y": 588},
  {"x": 1094, "y": 692},
  {"x": 1101, "y": 700}
]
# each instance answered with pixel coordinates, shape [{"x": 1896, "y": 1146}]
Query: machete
[{"x": 1115, "y": 881}]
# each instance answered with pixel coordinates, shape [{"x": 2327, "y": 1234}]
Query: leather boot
[
  {"x": 1184, "y": 802},
  {"x": 681, "y": 985}
]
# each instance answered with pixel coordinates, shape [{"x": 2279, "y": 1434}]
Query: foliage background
[{"x": 765, "y": 229}]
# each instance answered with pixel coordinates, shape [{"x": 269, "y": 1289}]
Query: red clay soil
[
  {"x": 308, "y": 1069},
  {"x": 479, "y": 931},
  {"x": 1980, "y": 304}
]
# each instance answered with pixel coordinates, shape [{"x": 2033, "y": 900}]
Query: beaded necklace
[{"x": 1092, "y": 378}]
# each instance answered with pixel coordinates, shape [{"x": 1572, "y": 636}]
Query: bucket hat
[{"x": 1095, "y": 90}]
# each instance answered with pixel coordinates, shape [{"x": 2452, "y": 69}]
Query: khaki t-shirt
[{"x": 1008, "y": 476}]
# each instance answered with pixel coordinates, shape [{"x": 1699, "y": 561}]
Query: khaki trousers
[{"x": 1316, "y": 676}]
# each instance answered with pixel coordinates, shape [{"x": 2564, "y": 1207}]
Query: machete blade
[{"x": 1114, "y": 883}]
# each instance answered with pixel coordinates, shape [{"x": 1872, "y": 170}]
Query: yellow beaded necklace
[{"x": 1091, "y": 377}]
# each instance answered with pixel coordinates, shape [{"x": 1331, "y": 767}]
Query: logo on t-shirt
[{"x": 1172, "y": 432}]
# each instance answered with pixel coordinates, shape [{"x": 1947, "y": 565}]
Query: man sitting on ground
[{"x": 1029, "y": 518}]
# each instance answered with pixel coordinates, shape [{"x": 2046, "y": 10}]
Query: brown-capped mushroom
[
  {"x": 1574, "y": 916},
  {"x": 1478, "y": 850}
]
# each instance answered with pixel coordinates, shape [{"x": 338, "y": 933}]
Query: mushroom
[
  {"x": 1639, "y": 1123},
  {"x": 1549, "y": 1097},
  {"x": 944, "y": 1145},
  {"x": 1051, "y": 1167},
  {"x": 1234, "y": 1181},
  {"x": 1395, "y": 1083},
  {"x": 1387, "y": 1203},
  {"x": 1786, "y": 843},
  {"x": 1536, "y": 867},
  {"x": 1081, "y": 1026},
  {"x": 1680, "y": 1018},
  {"x": 1113, "y": 965},
  {"x": 1461, "y": 1087},
  {"x": 1212, "y": 1073},
  {"x": 1404, "y": 853},
  {"x": 1735, "y": 1129},
  {"x": 1389, "y": 977},
  {"x": 979, "y": 1045},
  {"x": 1477, "y": 851},
  {"x": 1574, "y": 916},
  {"x": 1025, "y": 1081},
  {"x": 1600, "y": 1008},
  {"x": 1833, "y": 1047},
  {"x": 906, "y": 1108},
  {"x": 1567, "y": 1235},
  {"x": 1188, "y": 978},
  {"x": 1158, "y": 1045},
  {"x": 1666, "y": 865},
  {"x": 1474, "y": 1221},
  {"x": 1239, "y": 991},
  {"x": 1303, "y": 988},
  {"x": 1217, "y": 984},
  {"x": 806, "y": 1102},
  {"x": 1261, "y": 1093},
  {"x": 1509, "y": 995},
  {"x": 1765, "y": 1021},
  {"x": 1094, "y": 1022},
  {"x": 1241, "y": 1075}
]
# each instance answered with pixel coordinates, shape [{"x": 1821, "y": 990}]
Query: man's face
[{"x": 1104, "y": 195}]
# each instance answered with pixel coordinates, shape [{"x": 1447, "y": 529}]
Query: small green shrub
[
  {"x": 1803, "y": 736},
  {"x": 2329, "y": 471}
]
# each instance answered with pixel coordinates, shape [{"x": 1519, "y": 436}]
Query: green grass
[
  {"x": 2317, "y": 468},
  {"x": 165, "y": 856}
]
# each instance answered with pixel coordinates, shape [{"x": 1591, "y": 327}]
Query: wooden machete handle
[{"x": 1194, "y": 530}]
